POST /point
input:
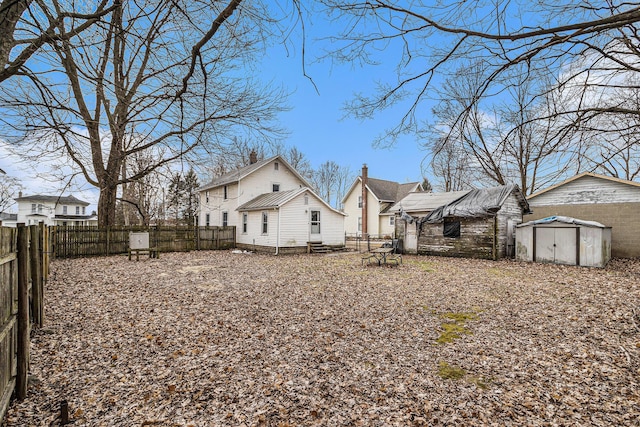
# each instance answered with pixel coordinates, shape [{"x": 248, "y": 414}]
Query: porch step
[{"x": 318, "y": 248}]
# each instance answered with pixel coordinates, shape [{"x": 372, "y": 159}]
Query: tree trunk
[{"x": 107, "y": 205}]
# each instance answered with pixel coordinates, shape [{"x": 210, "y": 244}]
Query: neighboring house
[
  {"x": 7, "y": 219},
  {"x": 368, "y": 211},
  {"x": 479, "y": 224},
  {"x": 272, "y": 207},
  {"x": 53, "y": 210},
  {"x": 415, "y": 206},
  {"x": 588, "y": 196}
]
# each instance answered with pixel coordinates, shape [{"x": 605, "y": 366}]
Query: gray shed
[{"x": 564, "y": 240}]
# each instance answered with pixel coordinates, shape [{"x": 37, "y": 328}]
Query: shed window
[
  {"x": 451, "y": 228},
  {"x": 265, "y": 222}
]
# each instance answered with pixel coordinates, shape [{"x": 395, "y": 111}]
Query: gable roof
[
  {"x": 425, "y": 202},
  {"x": 277, "y": 199},
  {"x": 238, "y": 174},
  {"x": 478, "y": 203},
  {"x": 582, "y": 175},
  {"x": 61, "y": 200},
  {"x": 384, "y": 190}
]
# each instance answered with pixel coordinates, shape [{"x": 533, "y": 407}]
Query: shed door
[
  {"x": 411, "y": 238},
  {"x": 556, "y": 245}
]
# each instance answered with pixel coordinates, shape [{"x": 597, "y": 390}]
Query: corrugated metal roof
[
  {"x": 564, "y": 220},
  {"x": 270, "y": 200},
  {"x": 426, "y": 202}
]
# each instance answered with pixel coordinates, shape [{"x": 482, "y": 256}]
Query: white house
[
  {"x": 52, "y": 210},
  {"x": 368, "y": 211},
  {"x": 272, "y": 207}
]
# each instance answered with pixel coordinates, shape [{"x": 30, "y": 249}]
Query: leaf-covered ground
[{"x": 217, "y": 338}]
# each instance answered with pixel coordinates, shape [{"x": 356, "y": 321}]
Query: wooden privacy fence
[
  {"x": 24, "y": 264},
  {"x": 71, "y": 242}
]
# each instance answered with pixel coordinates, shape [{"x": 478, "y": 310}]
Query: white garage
[{"x": 564, "y": 240}]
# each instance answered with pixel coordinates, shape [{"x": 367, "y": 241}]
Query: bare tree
[
  {"x": 160, "y": 74},
  {"x": 588, "y": 47},
  {"x": 9, "y": 186},
  {"x": 330, "y": 181}
]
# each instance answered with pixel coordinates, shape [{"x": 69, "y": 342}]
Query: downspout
[{"x": 278, "y": 232}]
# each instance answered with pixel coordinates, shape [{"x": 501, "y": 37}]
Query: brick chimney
[
  {"x": 253, "y": 157},
  {"x": 365, "y": 180}
]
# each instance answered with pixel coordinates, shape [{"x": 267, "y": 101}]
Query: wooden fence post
[
  {"x": 23, "y": 312},
  {"x": 36, "y": 274}
]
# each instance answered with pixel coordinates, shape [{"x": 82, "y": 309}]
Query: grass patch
[
  {"x": 450, "y": 372},
  {"x": 453, "y": 372},
  {"x": 427, "y": 266},
  {"x": 455, "y": 326}
]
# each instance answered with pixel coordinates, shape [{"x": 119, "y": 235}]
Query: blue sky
[{"x": 316, "y": 120}]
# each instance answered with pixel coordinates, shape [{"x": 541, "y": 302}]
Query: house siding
[{"x": 589, "y": 198}]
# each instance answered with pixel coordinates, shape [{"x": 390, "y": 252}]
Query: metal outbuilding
[{"x": 564, "y": 240}]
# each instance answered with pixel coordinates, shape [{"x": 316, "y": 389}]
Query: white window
[
  {"x": 64, "y": 211},
  {"x": 392, "y": 220},
  {"x": 306, "y": 199},
  {"x": 33, "y": 208},
  {"x": 359, "y": 224},
  {"x": 276, "y": 166},
  {"x": 315, "y": 222},
  {"x": 207, "y": 220},
  {"x": 265, "y": 222},
  {"x": 40, "y": 209},
  {"x": 276, "y": 188},
  {"x": 245, "y": 220},
  {"x": 77, "y": 210},
  {"x": 360, "y": 202},
  {"x": 226, "y": 193},
  {"x": 225, "y": 219},
  {"x": 84, "y": 210},
  {"x": 206, "y": 196}
]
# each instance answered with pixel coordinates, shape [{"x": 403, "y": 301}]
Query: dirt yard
[{"x": 217, "y": 338}]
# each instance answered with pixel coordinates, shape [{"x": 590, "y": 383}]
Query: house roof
[
  {"x": 277, "y": 199},
  {"x": 238, "y": 174},
  {"x": 421, "y": 201},
  {"x": 478, "y": 203},
  {"x": 8, "y": 216},
  {"x": 385, "y": 191},
  {"x": 60, "y": 200},
  {"x": 583, "y": 174}
]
